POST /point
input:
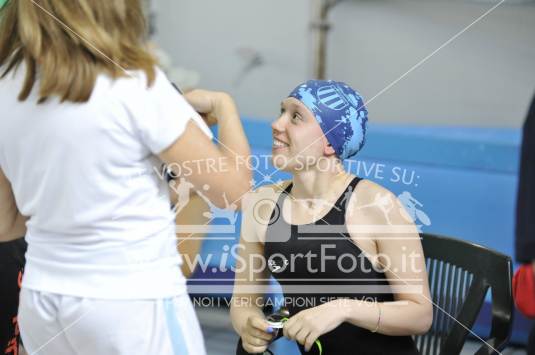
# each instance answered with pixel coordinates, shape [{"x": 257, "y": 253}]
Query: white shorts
[{"x": 57, "y": 324}]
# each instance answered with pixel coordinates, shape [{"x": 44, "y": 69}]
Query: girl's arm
[
  {"x": 189, "y": 244},
  {"x": 251, "y": 275},
  {"x": 401, "y": 257},
  {"x": 229, "y": 174},
  {"x": 12, "y": 223}
]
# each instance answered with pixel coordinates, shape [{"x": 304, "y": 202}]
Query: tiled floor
[{"x": 221, "y": 339}]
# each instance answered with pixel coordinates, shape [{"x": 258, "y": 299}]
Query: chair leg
[{"x": 531, "y": 341}]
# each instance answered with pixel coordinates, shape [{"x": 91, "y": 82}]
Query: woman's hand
[
  {"x": 308, "y": 325},
  {"x": 256, "y": 335},
  {"x": 209, "y": 104}
]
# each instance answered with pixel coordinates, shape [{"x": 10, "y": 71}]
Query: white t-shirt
[{"x": 87, "y": 176}]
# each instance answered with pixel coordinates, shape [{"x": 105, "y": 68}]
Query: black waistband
[{"x": 12, "y": 252}]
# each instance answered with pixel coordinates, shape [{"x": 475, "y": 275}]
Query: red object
[{"x": 524, "y": 290}]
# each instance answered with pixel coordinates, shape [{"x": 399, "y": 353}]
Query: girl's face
[{"x": 298, "y": 141}]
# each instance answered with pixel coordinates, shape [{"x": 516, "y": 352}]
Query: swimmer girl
[{"x": 365, "y": 310}]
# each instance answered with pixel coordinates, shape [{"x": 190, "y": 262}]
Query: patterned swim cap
[{"x": 339, "y": 111}]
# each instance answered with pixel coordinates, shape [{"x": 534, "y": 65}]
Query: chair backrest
[{"x": 460, "y": 273}]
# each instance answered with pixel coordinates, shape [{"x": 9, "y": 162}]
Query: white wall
[
  {"x": 485, "y": 77},
  {"x": 206, "y": 34}
]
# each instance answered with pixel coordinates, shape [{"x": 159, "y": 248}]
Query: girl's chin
[
  {"x": 282, "y": 153},
  {"x": 279, "y": 161}
]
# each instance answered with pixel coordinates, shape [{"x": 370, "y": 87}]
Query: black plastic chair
[{"x": 460, "y": 273}]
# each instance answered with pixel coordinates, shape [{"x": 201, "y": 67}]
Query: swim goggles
[{"x": 276, "y": 321}]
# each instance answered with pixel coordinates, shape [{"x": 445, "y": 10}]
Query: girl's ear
[{"x": 328, "y": 150}]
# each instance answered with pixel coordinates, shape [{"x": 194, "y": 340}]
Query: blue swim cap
[{"x": 339, "y": 111}]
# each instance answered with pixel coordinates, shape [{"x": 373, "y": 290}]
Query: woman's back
[{"x": 87, "y": 176}]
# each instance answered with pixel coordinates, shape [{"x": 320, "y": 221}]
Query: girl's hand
[
  {"x": 256, "y": 335},
  {"x": 308, "y": 325},
  {"x": 209, "y": 104}
]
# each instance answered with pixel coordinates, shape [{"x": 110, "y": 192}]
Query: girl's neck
[{"x": 316, "y": 184}]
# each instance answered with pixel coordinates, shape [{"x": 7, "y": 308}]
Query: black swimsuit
[{"x": 305, "y": 289}]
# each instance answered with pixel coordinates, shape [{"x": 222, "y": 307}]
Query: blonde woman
[{"x": 87, "y": 121}]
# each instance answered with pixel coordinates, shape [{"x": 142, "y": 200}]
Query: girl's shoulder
[
  {"x": 367, "y": 190},
  {"x": 272, "y": 190}
]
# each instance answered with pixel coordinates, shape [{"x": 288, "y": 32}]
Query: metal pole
[{"x": 322, "y": 26}]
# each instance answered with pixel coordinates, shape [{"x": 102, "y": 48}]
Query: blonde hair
[{"x": 67, "y": 43}]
